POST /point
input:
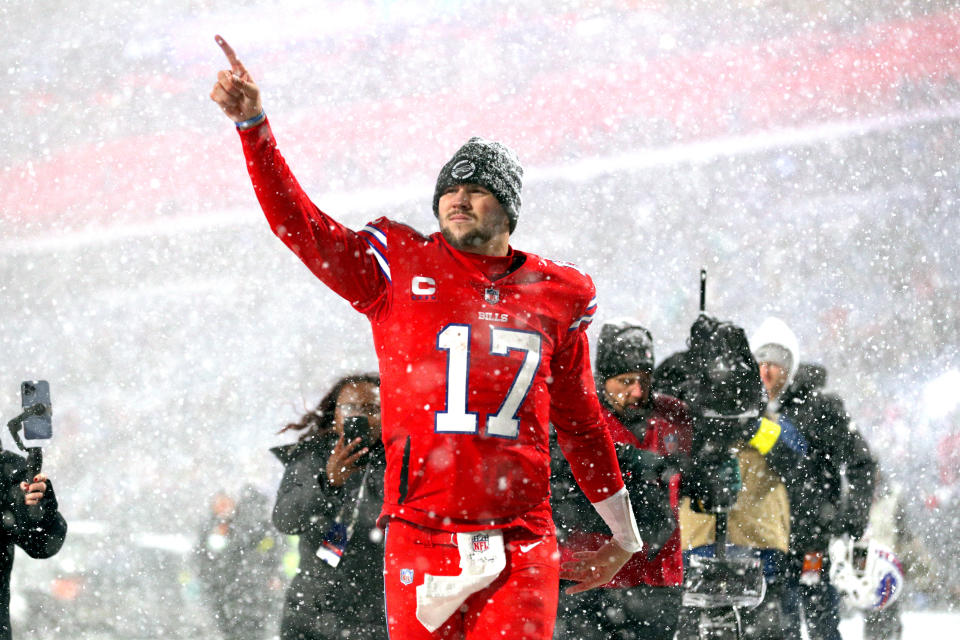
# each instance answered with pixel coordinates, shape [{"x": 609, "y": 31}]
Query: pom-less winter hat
[
  {"x": 491, "y": 165},
  {"x": 624, "y": 347}
]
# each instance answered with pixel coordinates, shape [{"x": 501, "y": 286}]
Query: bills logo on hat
[
  {"x": 462, "y": 169},
  {"x": 406, "y": 576},
  {"x": 481, "y": 542}
]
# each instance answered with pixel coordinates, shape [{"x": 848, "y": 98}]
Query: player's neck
[{"x": 497, "y": 246}]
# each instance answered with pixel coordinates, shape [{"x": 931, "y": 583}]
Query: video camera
[{"x": 719, "y": 379}]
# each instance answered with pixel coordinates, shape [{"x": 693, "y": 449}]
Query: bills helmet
[{"x": 868, "y": 574}]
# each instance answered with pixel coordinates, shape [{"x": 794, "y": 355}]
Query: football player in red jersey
[{"x": 480, "y": 348}]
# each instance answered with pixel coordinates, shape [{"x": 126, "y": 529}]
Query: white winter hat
[{"x": 773, "y": 341}]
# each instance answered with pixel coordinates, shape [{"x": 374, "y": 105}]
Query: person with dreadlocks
[{"x": 330, "y": 496}]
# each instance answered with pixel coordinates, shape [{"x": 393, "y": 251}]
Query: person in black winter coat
[
  {"x": 834, "y": 501},
  {"x": 29, "y": 518},
  {"x": 330, "y": 496}
]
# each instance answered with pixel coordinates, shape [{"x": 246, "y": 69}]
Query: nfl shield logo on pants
[
  {"x": 481, "y": 542},
  {"x": 406, "y": 576}
]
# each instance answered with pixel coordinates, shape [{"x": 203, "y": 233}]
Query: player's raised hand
[
  {"x": 235, "y": 91},
  {"x": 593, "y": 569}
]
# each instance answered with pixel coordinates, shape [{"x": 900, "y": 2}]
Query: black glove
[
  {"x": 649, "y": 493},
  {"x": 712, "y": 481}
]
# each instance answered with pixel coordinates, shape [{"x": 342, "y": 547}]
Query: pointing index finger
[{"x": 228, "y": 51}]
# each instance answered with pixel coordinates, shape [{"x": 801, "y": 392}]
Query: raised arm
[{"x": 343, "y": 259}]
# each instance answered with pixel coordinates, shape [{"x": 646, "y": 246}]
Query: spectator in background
[
  {"x": 650, "y": 431},
  {"x": 948, "y": 459},
  {"x": 239, "y": 565},
  {"x": 211, "y": 542},
  {"x": 330, "y": 496},
  {"x": 31, "y": 521},
  {"x": 943, "y": 505},
  {"x": 834, "y": 500}
]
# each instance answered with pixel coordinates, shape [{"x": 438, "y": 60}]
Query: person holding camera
[
  {"x": 30, "y": 519},
  {"x": 330, "y": 496},
  {"x": 719, "y": 378}
]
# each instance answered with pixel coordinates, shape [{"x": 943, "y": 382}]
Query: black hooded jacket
[
  {"x": 322, "y": 599},
  {"x": 820, "y": 509},
  {"x": 39, "y": 531}
]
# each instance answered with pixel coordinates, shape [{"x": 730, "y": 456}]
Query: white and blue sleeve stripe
[
  {"x": 377, "y": 241},
  {"x": 585, "y": 320}
]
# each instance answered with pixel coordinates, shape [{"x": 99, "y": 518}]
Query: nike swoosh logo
[{"x": 526, "y": 547}]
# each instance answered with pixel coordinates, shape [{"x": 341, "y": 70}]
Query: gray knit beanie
[
  {"x": 490, "y": 164},
  {"x": 623, "y": 347}
]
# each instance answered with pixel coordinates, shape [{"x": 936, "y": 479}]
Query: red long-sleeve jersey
[{"x": 473, "y": 368}]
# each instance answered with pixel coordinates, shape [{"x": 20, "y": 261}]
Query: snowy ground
[{"x": 917, "y": 625}]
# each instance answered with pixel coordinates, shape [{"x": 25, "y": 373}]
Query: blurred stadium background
[{"x": 803, "y": 152}]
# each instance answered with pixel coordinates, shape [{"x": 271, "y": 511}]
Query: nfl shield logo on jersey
[
  {"x": 670, "y": 443},
  {"x": 481, "y": 542},
  {"x": 491, "y": 295},
  {"x": 406, "y": 576}
]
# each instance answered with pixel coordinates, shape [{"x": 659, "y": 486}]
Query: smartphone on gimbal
[{"x": 37, "y": 425}]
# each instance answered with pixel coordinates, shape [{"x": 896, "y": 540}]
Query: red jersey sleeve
[
  {"x": 344, "y": 260},
  {"x": 578, "y": 418}
]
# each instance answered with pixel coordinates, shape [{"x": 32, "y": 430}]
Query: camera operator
[
  {"x": 650, "y": 432},
  {"x": 330, "y": 496},
  {"x": 770, "y": 455},
  {"x": 30, "y": 519}
]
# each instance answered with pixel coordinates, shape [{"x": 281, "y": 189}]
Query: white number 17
[{"x": 455, "y": 340}]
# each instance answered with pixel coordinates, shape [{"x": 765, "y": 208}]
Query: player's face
[
  {"x": 472, "y": 219},
  {"x": 360, "y": 399},
  {"x": 627, "y": 390},
  {"x": 774, "y": 378}
]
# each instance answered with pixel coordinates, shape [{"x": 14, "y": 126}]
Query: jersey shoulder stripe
[
  {"x": 379, "y": 255},
  {"x": 579, "y": 286},
  {"x": 372, "y": 232},
  {"x": 375, "y": 235},
  {"x": 585, "y": 320}
]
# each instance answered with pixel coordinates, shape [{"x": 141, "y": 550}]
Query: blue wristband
[{"x": 252, "y": 122}]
